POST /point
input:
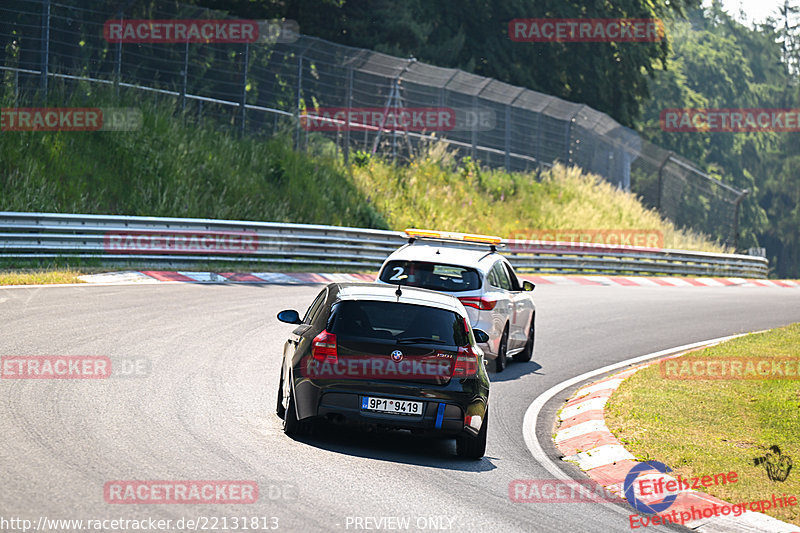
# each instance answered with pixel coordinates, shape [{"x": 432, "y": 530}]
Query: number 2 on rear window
[{"x": 398, "y": 274}]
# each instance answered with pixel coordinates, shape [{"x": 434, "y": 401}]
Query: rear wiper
[{"x": 421, "y": 339}]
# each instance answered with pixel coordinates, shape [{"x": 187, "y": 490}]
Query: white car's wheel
[
  {"x": 502, "y": 349},
  {"x": 525, "y": 355}
]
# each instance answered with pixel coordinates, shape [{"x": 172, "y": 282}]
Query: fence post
[
  {"x": 299, "y": 98},
  {"x": 739, "y": 199},
  {"x": 568, "y": 143},
  {"x": 398, "y": 105},
  {"x": 185, "y": 75},
  {"x": 45, "y": 45},
  {"x": 474, "y": 134},
  {"x": 243, "y": 105},
  {"x": 508, "y": 131},
  {"x": 118, "y": 62},
  {"x": 661, "y": 179},
  {"x": 538, "y": 155},
  {"x": 395, "y": 101},
  {"x": 474, "y": 137},
  {"x": 507, "y": 142},
  {"x": 347, "y": 121}
]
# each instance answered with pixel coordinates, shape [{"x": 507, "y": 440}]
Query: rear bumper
[
  {"x": 444, "y": 409},
  {"x": 444, "y": 417}
]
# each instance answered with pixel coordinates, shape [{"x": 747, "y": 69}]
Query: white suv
[{"x": 469, "y": 267}]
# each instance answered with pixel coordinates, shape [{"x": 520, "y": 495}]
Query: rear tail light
[
  {"x": 323, "y": 348},
  {"x": 482, "y": 304},
  {"x": 466, "y": 363}
]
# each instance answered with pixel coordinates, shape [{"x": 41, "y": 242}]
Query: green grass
[
  {"x": 40, "y": 277},
  {"x": 173, "y": 167},
  {"x": 436, "y": 191},
  {"x": 704, "y": 427}
]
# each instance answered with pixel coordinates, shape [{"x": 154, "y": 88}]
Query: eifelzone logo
[{"x": 630, "y": 493}]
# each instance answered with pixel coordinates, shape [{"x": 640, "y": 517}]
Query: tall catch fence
[{"x": 269, "y": 86}]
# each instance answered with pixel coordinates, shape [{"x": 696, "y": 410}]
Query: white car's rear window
[{"x": 434, "y": 276}]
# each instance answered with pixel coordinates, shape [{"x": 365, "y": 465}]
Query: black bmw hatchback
[{"x": 392, "y": 357}]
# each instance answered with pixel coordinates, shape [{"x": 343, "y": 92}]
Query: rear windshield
[
  {"x": 434, "y": 276},
  {"x": 397, "y": 322}
]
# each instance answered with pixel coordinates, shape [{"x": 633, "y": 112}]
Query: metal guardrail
[{"x": 131, "y": 239}]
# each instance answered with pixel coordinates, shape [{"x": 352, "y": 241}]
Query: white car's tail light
[{"x": 482, "y": 304}]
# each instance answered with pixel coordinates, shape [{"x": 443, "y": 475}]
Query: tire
[
  {"x": 280, "y": 410},
  {"x": 293, "y": 426},
  {"x": 500, "y": 361},
  {"x": 525, "y": 355},
  {"x": 469, "y": 447}
]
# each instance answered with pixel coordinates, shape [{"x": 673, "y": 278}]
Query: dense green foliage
[
  {"x": 473, "y": 35},
  {"x": 718, "y": 62}
]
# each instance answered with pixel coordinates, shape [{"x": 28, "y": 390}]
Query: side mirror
[
  {"x": 528, "y": 286},
  {"x": 480, "y": 336},
  {"x": 289, "y": 316}
]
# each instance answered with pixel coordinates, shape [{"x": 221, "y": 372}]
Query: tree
[
  {"x": 473, "y": 35},
  {"x": 718, "y": 62}
]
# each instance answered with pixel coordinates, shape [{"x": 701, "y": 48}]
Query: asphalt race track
[{"x": 202, "y": 408}]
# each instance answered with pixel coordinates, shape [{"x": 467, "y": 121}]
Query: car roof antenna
[{"x": 398, "y": 292}]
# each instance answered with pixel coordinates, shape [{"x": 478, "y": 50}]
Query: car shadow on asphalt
[
  {"x": 393, "y": 446},
  {"x": 515, "y": 370}
]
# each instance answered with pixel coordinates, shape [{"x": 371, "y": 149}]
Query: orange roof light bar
[{"x": 452, "y": 236}]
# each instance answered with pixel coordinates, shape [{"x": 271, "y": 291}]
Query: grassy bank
[
  {"x": 703, "y": 427},
  {"x": 436, "y": 191},
  {"x": 173, "y": 166}
]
